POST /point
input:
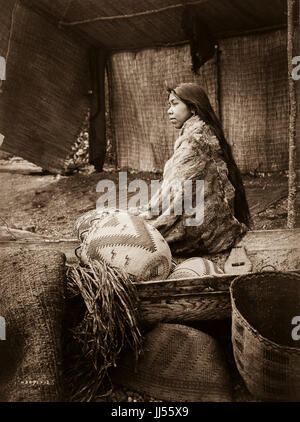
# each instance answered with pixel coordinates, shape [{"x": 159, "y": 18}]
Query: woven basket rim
[{"x": 255, "y": 332}]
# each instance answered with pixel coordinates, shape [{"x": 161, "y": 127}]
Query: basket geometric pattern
[
  {"x": 195, "y": 267},
  {"x": 128, "y": 242}
]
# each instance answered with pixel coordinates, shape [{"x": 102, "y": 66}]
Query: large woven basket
[{"x": 267, "y": 357}]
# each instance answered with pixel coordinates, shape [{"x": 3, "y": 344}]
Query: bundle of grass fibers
[{"x": 109, "y": 324}]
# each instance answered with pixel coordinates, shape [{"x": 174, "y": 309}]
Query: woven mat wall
[
  {"x": 47, "y": 71},
  {"x": 254, "y": 102},
  {"x": 143, "y": 135}
]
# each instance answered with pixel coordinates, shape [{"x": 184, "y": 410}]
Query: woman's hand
[
  {"x": 140, "y": 211},
  {"x": 146, "y": 215},
  {"x": 134, "y": 211}
]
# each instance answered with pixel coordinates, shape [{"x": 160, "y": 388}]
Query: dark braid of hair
[{"x": 241, "y": 208}]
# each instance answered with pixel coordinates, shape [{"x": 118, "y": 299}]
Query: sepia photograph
[{"x": 150, "y": 204}]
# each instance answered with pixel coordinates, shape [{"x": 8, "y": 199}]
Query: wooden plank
[
  {"x": 181, "y": 287},
  {"x": 280, "y": 248},
  {"x": 194, "y": 299},
  {"x": 258, "y": 240},
  {"x": 165, "y": 302},
  {"x": 66, "y": 246},
  {"x": 186, "y": 309}
]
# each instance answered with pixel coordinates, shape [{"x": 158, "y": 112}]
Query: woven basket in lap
[
  {"x": 267, "y": 357},
  {"x": 178, "y": 363},
  {"x": 32, "y": 303}
]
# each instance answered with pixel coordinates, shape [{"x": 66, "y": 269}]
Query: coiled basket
[{"x": 266, "y": 352}]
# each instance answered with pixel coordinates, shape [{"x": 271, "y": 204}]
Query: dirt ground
[{"x": 49, "y": 205}]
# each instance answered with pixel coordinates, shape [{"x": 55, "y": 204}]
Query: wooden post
[
  {"x": 97, "y": 138},
  {"x": 297, "y": 53},
  {"x": 292, "y": 118}
]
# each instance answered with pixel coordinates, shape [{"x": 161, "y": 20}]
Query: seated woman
[{"x": 201, "y": 152}]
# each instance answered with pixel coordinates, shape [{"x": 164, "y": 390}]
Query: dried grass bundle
[{"x": 109, "y": 324}]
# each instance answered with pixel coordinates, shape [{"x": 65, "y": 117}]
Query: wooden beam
[
  {"x": 278, "y": 248},
  {"x": 66, "y": 246},
  {"x": 97, "y": 135},
  {"x": 190, "y": 299},
  {"x": 291, "y": 220}
]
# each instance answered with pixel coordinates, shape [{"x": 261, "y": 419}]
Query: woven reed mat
[
  {"x": 32, "y": 303},
  {"x": 141, "y": 134},
  {"x": 254, "y": 100},
  {"x": 251, "y": 95},
  {"x": 178, "y": 363}
]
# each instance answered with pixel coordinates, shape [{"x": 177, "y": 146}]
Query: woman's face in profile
[{"x": 178, "y": 111}]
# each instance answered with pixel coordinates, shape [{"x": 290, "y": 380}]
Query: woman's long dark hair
[{"x": 196, "y": 99}]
